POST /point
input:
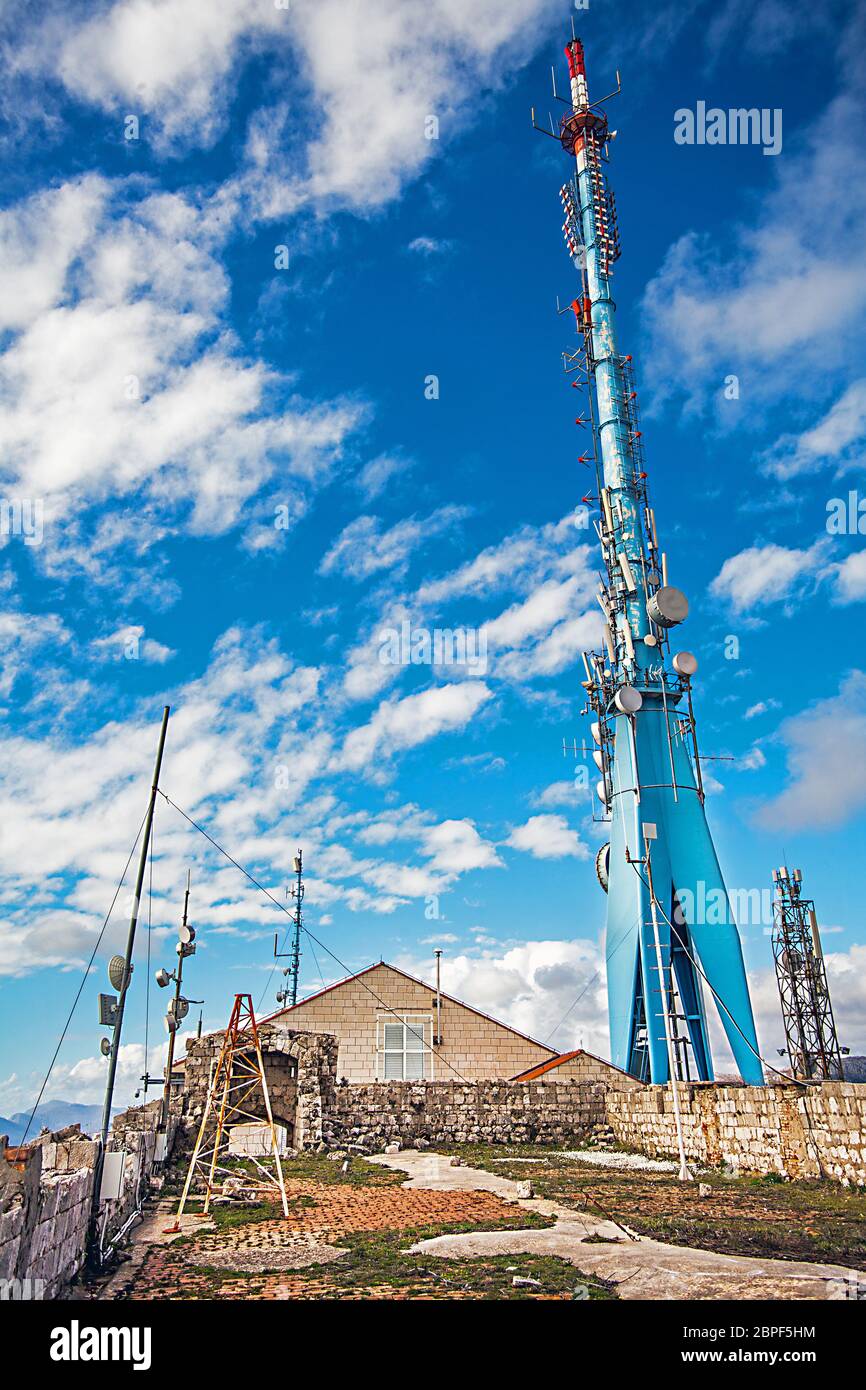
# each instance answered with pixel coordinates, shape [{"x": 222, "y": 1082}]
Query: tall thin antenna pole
[
  {"x": 127, "y": 968},
  {"x": 296, "y": 943},
  {"x": 289, "y": 991},
  {"x": 181, "y": 955}
]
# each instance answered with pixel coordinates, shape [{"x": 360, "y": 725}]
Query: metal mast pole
[
  {"x": 130, "y": 936},
  {"x": 127, "y": 970},
  {"x": 296, "y": 943},
  {"x": 166, "y": 1094}
]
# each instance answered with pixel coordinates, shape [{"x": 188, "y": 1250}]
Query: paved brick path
[{"x": 319, "y": 1216}]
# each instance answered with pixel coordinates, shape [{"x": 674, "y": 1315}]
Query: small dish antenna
[{"x": 117, "y": 972}]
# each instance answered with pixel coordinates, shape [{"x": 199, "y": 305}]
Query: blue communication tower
[{"x": 650, "y": 787}]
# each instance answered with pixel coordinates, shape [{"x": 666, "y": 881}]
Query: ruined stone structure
[
  {"x": 300, "y": 1069},
  {"x": 46, "y": 1195}
]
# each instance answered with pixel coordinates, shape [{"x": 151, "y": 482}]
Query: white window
[{"x": 404, "y": 1047}]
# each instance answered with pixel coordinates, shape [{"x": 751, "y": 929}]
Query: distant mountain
[
  {"x": 854, "y": 1068},
  {"x": 52, "y": 1114}
]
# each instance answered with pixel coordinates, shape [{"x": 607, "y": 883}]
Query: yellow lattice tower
[{"x": 238, "y": 1075}]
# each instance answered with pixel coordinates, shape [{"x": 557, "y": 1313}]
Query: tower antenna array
[
  {"x": 289, "y": 992},
  {"x": 810, "y": 1029}
]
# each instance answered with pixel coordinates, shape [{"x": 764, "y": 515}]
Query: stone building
[{"x": 392, "y": 1027}]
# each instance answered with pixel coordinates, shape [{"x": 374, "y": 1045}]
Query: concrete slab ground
[{"x": 639, "y": 1267}]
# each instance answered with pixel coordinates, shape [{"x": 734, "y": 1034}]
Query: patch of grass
[
  {"x": 380, "y": 1259},
  {"x": 306, "y": 1167}
]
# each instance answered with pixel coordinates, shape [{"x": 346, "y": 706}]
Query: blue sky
[{"x": 245, "y": 478}]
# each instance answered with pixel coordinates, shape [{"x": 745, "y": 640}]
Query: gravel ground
[{"x": 618, "y": 1160}]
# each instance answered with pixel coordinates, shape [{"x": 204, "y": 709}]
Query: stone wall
[
  {"x": 790, "y": 1130},
  {"x": 46, "y": 1196},
  {"x": 490, "y": 1112}
]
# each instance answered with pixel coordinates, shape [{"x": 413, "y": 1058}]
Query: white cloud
[
  {"x": 378, "y": 472},
  {"x": 38, "y": 241},
  {"x": 126, "y": 383},
  {"x": 363, "y": 548},
  {"x": 539, "y": 613},
  {"x": 850, "y": 578},
  {"x": 838, "y": 439},
  {"x": 712, "y": 311},
  {"x": 548, "y": 837},
  {"x": 168, "y": 61},
  {"x": 561, "y": 794},
  {"x": 21, "y": 636},
  {"x": 387, "y": 68},
  {"x": 827, "y": 771},
  {"x": 455, "y": 846},
  {"x": 408, "y": 722},
  {"x": 429, "y": 246},
  {"x": 130, "y": 643},
  {"x": 528, "y": 556},
  {"x": 767, "y": 573},
  {"x": 761, "y": 707},
  {"x": 534, "y": 987}
]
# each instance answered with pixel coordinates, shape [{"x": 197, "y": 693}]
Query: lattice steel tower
[
  {"x": 810, "y": 1029},
  {"x": 638, "y": 690}
]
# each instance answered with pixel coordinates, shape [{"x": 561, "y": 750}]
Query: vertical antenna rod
[
  {"x": 127, "y": 970},
  {"x": 181, "y": 957}
]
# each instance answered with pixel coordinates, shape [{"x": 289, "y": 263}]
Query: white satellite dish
[
  {"x": 602, "y": 866},
  {"x": 117, "y": 972},
  {"x": 668, "y": 606},
  {"x": 628, "y": 700},
  {"x": 685, "y": 663}
]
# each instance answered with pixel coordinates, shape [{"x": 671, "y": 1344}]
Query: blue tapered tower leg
[{"x": 641, "y": 693}]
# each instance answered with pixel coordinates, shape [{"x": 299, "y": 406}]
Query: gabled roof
[
  {"x": 380, "y": 964},
  {"x": 533, "y": 1073}
]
